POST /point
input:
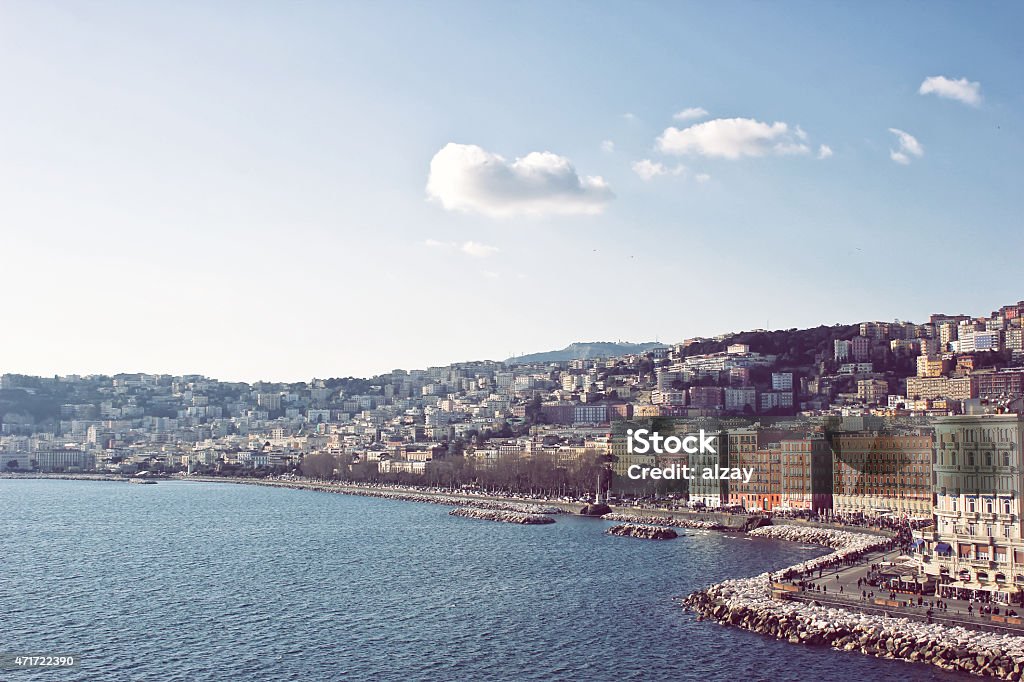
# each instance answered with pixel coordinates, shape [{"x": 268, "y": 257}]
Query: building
[
  {"x": 782, "y": 381},
  {"x": 860, "y": 348},
  {"x": 591, "y": 414},
  {"x": 876, "y": 473},
  {"x": 63, "y": 459},
  {"x": 1006, "y": 383},
  {"x": 841, "y": 350},
  {"x": 710, "y": 397},
  {"x": 764, "y": 490},
  {"x": 774, "y": 400},
  {"x": 932, "y": 366},
  {"x": 710, "y": 491},
  {"x": 743, "y": 399},
  {"x": 624, "y": 459},
  {"x": 976, "y": 545},
  {"x": 927, "y": 387},
  {"x": 806, "y": 474},
  {"x": 873, "y": 391}
]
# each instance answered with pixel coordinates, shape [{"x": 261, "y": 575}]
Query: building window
[{"x": 970, "y": 506}]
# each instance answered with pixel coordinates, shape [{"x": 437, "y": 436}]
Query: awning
[
  {"x": 917, "y": 542},
  {"x": 943, "y": 548}
]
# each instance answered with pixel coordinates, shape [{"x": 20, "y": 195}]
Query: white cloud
[
  {"x": 824, "y": 151},
  {"x": 963, "y": 90},
  {"x": 733, "y": 138},
  {"x": 607, "y": 146},
  {"x": 909, "y": 147},
  {"x": 477, "y": 249},
  {"x": 648, "y": 169},
  {"x": 470, "y": 248},
  {"x": 702, "y": 177},
  {"x": 465, "y": 177},
  {"x": 691, "y": 114}
]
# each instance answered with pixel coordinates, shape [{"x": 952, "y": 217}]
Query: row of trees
[{"x": 537, "y": 475}]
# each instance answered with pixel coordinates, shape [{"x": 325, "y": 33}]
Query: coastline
[
  {"x": 748, "y": 603},
  {"x": 741, "y": 602}
]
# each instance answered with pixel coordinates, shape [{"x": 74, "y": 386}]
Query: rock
[
  {"x": 632, "y": 530},
  {"x": 676, "y": 522},
  {"x": 748, "y": 603},
  {"x": 503, "y": 516}
]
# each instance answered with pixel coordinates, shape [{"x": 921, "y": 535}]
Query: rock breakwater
[
  {"x": 409, "y": 496},
  {"x": 503, "y": 516},
  {"x": 748, "y": 603},
  {"x": 632, "y": 530},
  {"x": 672, "y": 521}
]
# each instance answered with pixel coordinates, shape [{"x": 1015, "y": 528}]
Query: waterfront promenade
[{"x": 839, "y": 587}]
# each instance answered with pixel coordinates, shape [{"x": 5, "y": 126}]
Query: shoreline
[{"x": 747, "y": 603}]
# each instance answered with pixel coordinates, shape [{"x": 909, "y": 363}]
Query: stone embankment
[
  {"x": 748, "y": 603},
  {"x": 632, "y": 530},
  {"x": 503, "y": 516},
  {"x": 673, "y": 521},
  {"x": 408, "y": 496}
]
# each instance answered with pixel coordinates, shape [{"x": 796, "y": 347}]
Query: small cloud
[
  {"x": 433, "y": 243},
  {"x": 691, "y": 114},
  {"x": 607, "y": 146},
  {"x": 648, "y": 169},
  {"x": 478, "y": 250},
  {"x": 490, "y": 274},
  {"x": 629, "y": 116},
  {"x": 824, "y": 151},
  {"x": 702, "y": 177},
  {"x": 962, "y": 90},
  {"x": 733, "y": 138},
  {"x": 465, "y": 177},
  {"x": 908, "y": 147},
  {"x": 801, "y": 133}
]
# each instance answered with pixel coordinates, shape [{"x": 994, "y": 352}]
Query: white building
[{"x": 977, "y": 546}]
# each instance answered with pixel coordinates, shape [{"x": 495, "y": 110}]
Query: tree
[
  {"x": 319, "y": 465},
  {"x": 12, "y": 464},
  {"x": 534, "y": 413}
]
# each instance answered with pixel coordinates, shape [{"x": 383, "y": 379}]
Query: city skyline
[{"x": 335, "y": 191}]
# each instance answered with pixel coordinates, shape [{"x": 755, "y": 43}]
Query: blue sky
[{"x": 241, "y": 189}]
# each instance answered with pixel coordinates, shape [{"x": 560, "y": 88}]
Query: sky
[{"x": 282, "y": 191}]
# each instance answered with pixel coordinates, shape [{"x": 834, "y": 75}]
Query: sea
[{"x": 216, "y": 581}]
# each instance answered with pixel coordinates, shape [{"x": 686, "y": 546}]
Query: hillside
[{"x": 582, "y": 350}]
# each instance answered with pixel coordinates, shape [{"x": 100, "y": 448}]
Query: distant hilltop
[{"x": 583, "y": 350}]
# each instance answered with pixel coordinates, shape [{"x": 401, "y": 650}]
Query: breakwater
[
  {"x": 632, "y": 530},
  {"x": 749, "y": 603},
  {"x": 501, "y": 515},
  {"x": 651, "y": 520},
  {"x": 406, "y": 496}
]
